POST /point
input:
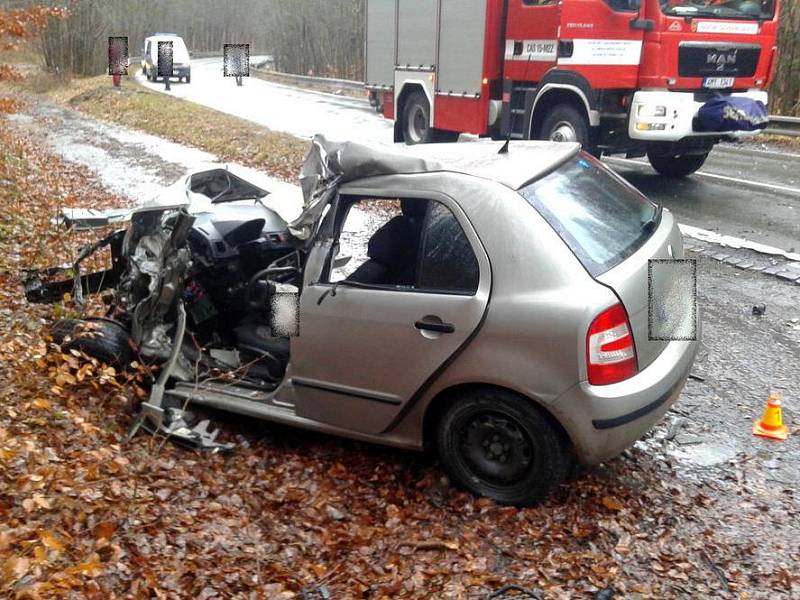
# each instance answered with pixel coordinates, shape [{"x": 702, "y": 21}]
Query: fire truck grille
[{"x": 713, "y": 59}]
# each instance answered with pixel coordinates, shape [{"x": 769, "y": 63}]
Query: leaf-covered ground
[{"x": 83, "y": 514}]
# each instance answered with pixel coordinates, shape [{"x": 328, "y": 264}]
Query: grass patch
[
  {"x": 228, "y": 137},
  {"x": 778, "y": 140}
]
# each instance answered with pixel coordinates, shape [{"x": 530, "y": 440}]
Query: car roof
[
  {"x": 163, "y": 36},
  {"x": 523, "y": 161},
  {"x": 329, "y": 166}
]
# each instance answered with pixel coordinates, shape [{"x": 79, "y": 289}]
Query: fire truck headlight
[{"x": 646, "y": 110}]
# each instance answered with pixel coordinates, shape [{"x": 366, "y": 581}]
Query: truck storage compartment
[
  {"x": 381, "y": 29},
  {"x": 416, "y": 33},
  {"x": 460, "y": 67}
]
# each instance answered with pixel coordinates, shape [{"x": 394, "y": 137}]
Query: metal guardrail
[
  {"x": 780, "y": 125},
  {"x": 134, "y": 60},
  {"x": 345, "y": 84}
]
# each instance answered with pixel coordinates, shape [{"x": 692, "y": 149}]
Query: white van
[{"x": 181, "y": 64}]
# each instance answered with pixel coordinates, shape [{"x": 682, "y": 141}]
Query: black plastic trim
[
  {"x": 643, "y": 24},
  {"x": 335, "y": 389},
  {"x": 438, "y": 327},
  {"x": 638, "y": 413}
]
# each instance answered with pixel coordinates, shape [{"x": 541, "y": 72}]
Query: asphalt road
[
  {"x": 738, "y": 192},
  {"x": 743, "y": 191}
]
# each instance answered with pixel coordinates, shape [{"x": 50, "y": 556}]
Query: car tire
[
  {"x": 499, "y": 445},
  {"x": 565, "y": 123},
  {"x": 676, "y": 165},
  {"x": 104, "y": 339},
  {"x": 188, "y": 79}
]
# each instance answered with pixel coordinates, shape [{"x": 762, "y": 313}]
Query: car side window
[
  {"x": 447, "y": 261},
  {"x": 381, "y": 237},
  {"x": 147, "y": 50},
  {"x": 408, "y": 243}
]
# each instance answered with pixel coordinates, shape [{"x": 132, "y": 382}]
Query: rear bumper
[
  {"x": 681, "y": 109},
  {"x": 177, "y": 70},
  {"x": 604, "y": 420}
]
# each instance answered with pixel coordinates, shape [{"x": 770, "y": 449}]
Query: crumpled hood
[{"x": 330, "y": 164}]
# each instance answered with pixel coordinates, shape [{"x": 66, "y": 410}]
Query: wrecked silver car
[{"x": 486, "y": 301}]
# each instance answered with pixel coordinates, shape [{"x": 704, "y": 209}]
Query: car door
[
  {"x": 362, "y": 353},
  {"x": 531, "y": 38},
  {"x": 602, "y": 41}
]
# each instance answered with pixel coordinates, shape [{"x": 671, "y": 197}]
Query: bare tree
[{"x": 785, "y": 89}]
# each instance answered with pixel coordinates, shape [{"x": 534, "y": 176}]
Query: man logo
[
  {"x": 676, "y": 26},
  {"x": 721, "y": 59}
]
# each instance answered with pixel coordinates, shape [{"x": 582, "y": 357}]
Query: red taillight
[{"x": 610, "y": 351}]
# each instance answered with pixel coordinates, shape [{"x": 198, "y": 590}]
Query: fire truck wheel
[
  {"x": 563, "y": 123},
  {"x": 676, "y": 165},
  {"x": 417, "y": 119}
]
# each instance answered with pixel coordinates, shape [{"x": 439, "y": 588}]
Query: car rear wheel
[
  {"x": 497, "y": 444},
  {"x": 676, "y": 165}
]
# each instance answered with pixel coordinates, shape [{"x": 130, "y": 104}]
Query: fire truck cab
[{"x": 619, "y": 76}]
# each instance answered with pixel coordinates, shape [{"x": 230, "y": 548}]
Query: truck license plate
[{"x": 718, "y": 82}]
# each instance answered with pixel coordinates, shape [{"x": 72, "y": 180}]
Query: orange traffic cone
[{"x": 771, "y": 424}]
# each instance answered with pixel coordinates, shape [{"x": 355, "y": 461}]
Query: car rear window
[{"x": 601, "y": 217}]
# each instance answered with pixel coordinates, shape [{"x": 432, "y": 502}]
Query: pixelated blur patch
[
  {"x": 672, "y": 299},
  {"x": 236, "y": 60},
  {"x": 117, "y": 55},
  {"x": 165, "y": 59},
  {"x": 284, "y": 318}
]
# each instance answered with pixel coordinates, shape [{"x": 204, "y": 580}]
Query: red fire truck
[{"x": 619, "y": 76}]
